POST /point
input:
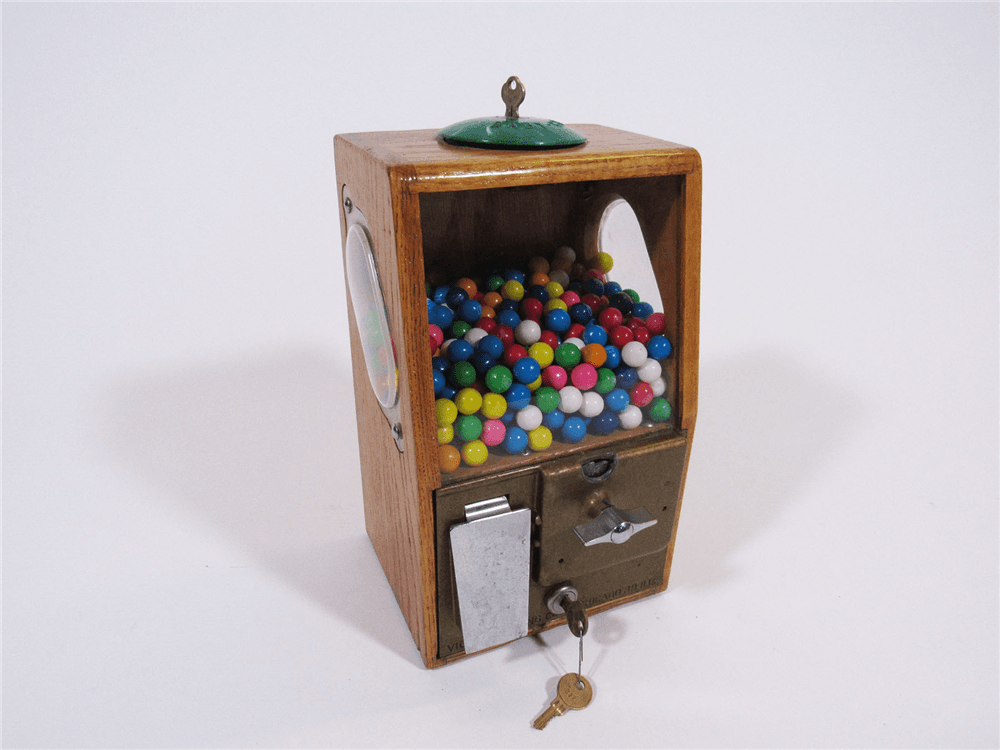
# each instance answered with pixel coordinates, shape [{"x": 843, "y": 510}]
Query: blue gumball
[
  {"x": 658, "y": 347},
  {"x": 594, "y": 334},
  {"x": 627, "y": 376},
  {"x": 518, "y": 396},
  {"x": 574, "y": 430},
  {"x": 459, "y": 350},
  {"x": 605, "y": 423},
  {"x": 439, "y": 382},
  {"x": 617, "y": 400},
  {"x": 614, "y": 356},
  {"x": 470, "y": 311},
  {"x": 554, "y": 419},
  {"x": 491, "y": 345},
  {"x": 642, "y": 310},
  {"x": 527, "y": 370},
  {"x": 516, "y": 440},
  {"x": 558, "y": 321}
]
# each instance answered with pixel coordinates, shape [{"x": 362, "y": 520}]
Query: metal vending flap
[{"x": 491, "y": 552}]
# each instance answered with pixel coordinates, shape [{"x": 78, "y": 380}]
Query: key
[
  {"x": 574, "y": 692},
  {"x": 576, "y": 618}
]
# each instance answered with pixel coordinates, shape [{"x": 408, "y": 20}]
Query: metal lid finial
[{"x": 512, "y": 93}]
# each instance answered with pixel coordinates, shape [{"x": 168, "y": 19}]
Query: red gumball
[
  {"x": 636, "y": 323},
  {"x": 594, "y": 273},
  {"x": 575, "y": 331},
  {"x": 656, "y": 323},
  {"x": 610, "y": 318},
  {"x": 487, "y": 324},
  {"x": 570, "y": 298},
  {"x": 505, "y": 334},
  {"x": 642, "y": 335},
  {"x": 620, "y": 335},
  {"x": 642, "y": 394},
  {"x": 513, "y": 353},
  {"x": 550, "y": 338},
  {"x": 436, "y": 336},
  {"x": 554, "y": 376},
  {"x": 592, "y": 301},
  {"x": 531, "y": 309}
]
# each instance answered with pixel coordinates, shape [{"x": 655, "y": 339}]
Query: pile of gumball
[{"x": 558, "y": 348}]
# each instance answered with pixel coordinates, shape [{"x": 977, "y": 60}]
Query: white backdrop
[{"x": 184, "y": 556}]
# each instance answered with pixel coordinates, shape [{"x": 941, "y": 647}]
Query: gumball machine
[{"x": 525, "y": 416}]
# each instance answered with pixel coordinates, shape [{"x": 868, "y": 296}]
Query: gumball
[
  {"x": 606, "y": 381},
  {"x": 656, "y": 323},
  {"x": 498, "y": 379},
  {"x": 540, "y": 438},
  {"x": 532, "y": 309},
  {"x": 546, "y": 399},
  {"x": 611, "y": 288},
  {"x": 494, "y": 282},
  {"x": 491, "y": 345},
  {"x": 518, "y": 396},
  {"x": 574, "y": 430},
  {"x": 550, "y": 338},
  {"x": 570, "y": 399},
  {"x": 605, "y": 423},
  {"x": 635, "y": 323},
  {"x": 617, "y": 400},
  {"x": 504, "y": 333},
  {"x": 614, "y": 356},
  {"x": 487, "y": 323},
  {"x": 557, "y": 320},
  {"x": 537, "y": 292},
  {"x": 462, "y": 375},
  {"x": 446, "y": 411},
  {"x": 555, "y": 290},
  {"x": 659, "y": 409},
  {"x": 439, "y": 382},
  {"x": 554, "y": 376},
  {"x": 436, "y": 337},
  {"x": 594, "y": 334},
  {"x": 494, "y": 406},
  {"x": 567, "y": 355},
  {"x": 620, "y": 335},
  {"x": 592, "y": 301},
  {"x": 538, "y": 264},
  {"x": 440, "y": 295},
  {"x": 474, "y": 335},
  {"x": 539, "y": 279},
  {"x": 642, "y": 394},
  {"x": 492, "y": 299},
  {"x": 565, "y": 253},
  {"x": 455, "y": 297},
  {"x": 449, "y": 457},
  {"x": 470, "y": 311},
  {"x": 446, "y": 434},
  {"x": 659, "y": 386},
  {"x": 512, "y": 274},
  {"x": 554, "y": 419},
  {"x": 529, "y": 418},
  {"x": 448, "y": 392},
  {"x": 512, "y": 289},
  {"x": 633, "y": 295},
  {"x": 592, "y": 405},
  {"x": 541, "y": 353},
  {"x": 610, "y": 318},
  {"x": 584, "y": 376},
  {"x": 441, "y": 364},
  {"x": 475, "y": 453},
  {"x": 468, "y": 401},
  {"x": 493, "y": 432},
  {"x": 460, "y": 350},
  {"x": 468, "y": 285},
  {"x": 441, "y": 316},
  {"x": 571, "y": 299},
  {"x": 642, "y": 310},
  {"x": 560, "y": 265},
  {"x": 594, "y": 354},
  {"x": 513, "y": 353},
  {"x": 459, "y": 328},
  {"x": 593, "y": 286},
  {"x": 534, "y": 385},
  {"x": 508, "y": 318},
  {"x": 650, "y": 370},
  {"x": 526, "y": 370},
  {"x": 659, "y": 347},
  {"x": 642, "y": 335},
  {"x": 602, "y": 262},
  {"x": 482, "y": 361},
  {"x": 634, "y": 354},
  {"x": 627, "y": 377},
  {"x": 577, "y": 342},
  {"x": 630, "y": 418},
  {"x": 527, "y": 332},
  {"x": 516, "y": 440},
  {"x": 578, "y": 271},
  {"x": 468, "y": 427}
]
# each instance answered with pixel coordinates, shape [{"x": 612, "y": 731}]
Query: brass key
[{"x": 574, "y": 692}]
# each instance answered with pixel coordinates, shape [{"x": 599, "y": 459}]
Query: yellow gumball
[
  {"x": 602, "y": 262},
  {"x": 446, "y": 410},
  {"x": 540, "y": 438},
  {"x": 512, "y": 290},
  {"x": 555, "y": 289},
  {"x": 542, "y": 353},
  {"x": 468, "y": 401},
  {"x": 536, "y": 385},
  {"x": 494, "y": 406},
  {"x": 446, "y": 434},
  {"x": 475, "y": 452},
  {"x": 555, "y": 304}
]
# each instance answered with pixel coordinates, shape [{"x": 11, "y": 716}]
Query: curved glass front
[{"x": 370, "y": 316}]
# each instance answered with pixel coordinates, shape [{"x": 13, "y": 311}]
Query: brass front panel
[{"x": 647, "y": 475}]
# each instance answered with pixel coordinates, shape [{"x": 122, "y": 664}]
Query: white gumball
[
  {"x": 529, "y": 418},
  {"x": 634, "y": 354},
  {"x": 527, "y": 332},
  {"x": 630, "y": 418},
  {"x": 473, "y": 335},
  {"x": 659, "y": 386},
  {"x": 570, "y": 399},
  {"x": 593, "y": 404},
  {"x": 650, "y": 370}
]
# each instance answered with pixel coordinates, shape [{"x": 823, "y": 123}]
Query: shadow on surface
[
  {"x": 264, "y": 449},
  {"x": 766, "y": 427}
]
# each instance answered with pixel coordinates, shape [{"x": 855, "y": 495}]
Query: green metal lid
[{"x": 511, "y": 131}]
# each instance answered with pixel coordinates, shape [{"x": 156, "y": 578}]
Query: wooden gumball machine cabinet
[{"x": 477, "y": 556}]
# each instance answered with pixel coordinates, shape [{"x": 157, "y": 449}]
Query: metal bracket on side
[{"x": 491, "y": 553}]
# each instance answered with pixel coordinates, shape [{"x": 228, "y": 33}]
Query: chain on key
[{"x": 574, "y": 691}]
